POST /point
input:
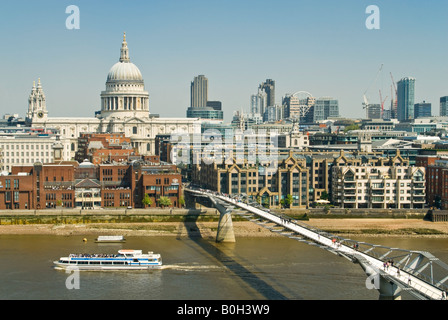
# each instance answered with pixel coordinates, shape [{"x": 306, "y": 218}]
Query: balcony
[
  {"x": 350, "y": 199},
  {"x": 377, "y": 199},
  {"x": 418, "y": 199},
  {"x": 419, "y": 185}
]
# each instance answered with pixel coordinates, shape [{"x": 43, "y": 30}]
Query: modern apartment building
[{"x": 386, "y": 183}]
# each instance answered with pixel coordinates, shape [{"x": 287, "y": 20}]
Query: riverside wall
[{"x": 74, "y": 216}]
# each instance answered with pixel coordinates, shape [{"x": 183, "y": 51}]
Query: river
[{"x": 194, "y": 269}]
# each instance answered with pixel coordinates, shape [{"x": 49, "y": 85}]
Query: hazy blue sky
[{"x": 318, "y": 46}]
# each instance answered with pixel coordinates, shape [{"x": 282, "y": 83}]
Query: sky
[{"x": 319, "y": 46}]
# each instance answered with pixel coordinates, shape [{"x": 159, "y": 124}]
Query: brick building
[
  {"x": 89, "y": 186},
  {"x": 100, "y": 147},
  {"x": 437, "y": 184}
]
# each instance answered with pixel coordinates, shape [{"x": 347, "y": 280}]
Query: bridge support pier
[
  {"x": 387, "y": 289},
  {"x": 225, "y": 226}
]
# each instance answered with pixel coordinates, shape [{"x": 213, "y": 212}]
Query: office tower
[
  {"x": 444, "y": 106},
  {"x": 374, "y": 111},
  {"x": 387, "y": 114},
  {"x": 296, "y": 107},
  {"x": 269, "y": 87},
  {"x": 258, "y": 102},
  {"x": 200, "y": 106},
  {"x": 215, "y": 105},
  {"x": 323, "y": 109},
  {"x": 405, "y": 99},
  {"x": 199, "y": 92},
  {"x": 272, "y": 113},
  {"x": 422, "y": 109}
]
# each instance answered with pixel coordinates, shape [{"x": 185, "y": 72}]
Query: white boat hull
[
  {"x": 125, "y": 260},
  {"x": 103, "y": 268}
]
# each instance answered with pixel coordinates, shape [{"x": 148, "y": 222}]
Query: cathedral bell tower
[{"x": 37, "y": 106}]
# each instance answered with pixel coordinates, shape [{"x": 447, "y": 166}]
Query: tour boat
[
  {"x": 124, "y": 260},
  {"x": 110, "y": 239}
]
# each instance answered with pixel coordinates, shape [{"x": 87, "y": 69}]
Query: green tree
[
  {"x": 182, "y": 201},
  {"x": 351, "y": 127},
  {"x": 288, "y": 201},
  {"x": 146, "y": 201},
  {"x": 164, "y": 202},
  {"x": 265, "y": 202},
  {"x": 324, "y": 195}
]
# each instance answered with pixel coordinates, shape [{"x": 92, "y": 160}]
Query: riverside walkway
[{"x": 390, "y": 270}]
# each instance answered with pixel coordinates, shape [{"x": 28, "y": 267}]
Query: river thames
[{"x": 193, "y": 269}]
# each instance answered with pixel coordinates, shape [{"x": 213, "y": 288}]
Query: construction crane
[
  {"x": 366, "y": 101},
  {"x": 382, "y": 104},
  {"x": 393, "y": 104}
]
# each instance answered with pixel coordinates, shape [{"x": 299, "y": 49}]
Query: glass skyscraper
[
  {"x": 444, "y": 106},
  {"x": 422, "y": 109},
  {"x": 405, "y": 99}
]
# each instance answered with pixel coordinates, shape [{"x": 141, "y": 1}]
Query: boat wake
[{"x": 189, "y": 267}]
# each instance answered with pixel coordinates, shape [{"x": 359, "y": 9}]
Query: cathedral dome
[
  {"x": 124, "y": 71},
  {"x": 125, "y": 95}
]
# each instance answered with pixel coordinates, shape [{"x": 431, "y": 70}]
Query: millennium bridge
[{"x": 391, "y": 271}]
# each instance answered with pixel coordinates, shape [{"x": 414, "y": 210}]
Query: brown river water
[{"x": 193, "y": 269}]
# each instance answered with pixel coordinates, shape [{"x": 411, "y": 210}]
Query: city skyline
[{"x": 242, "y": 45}]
